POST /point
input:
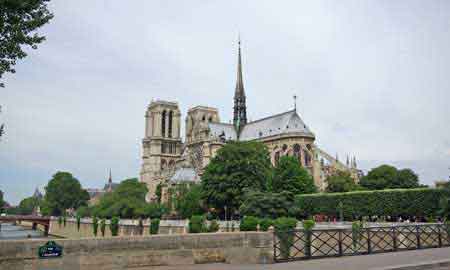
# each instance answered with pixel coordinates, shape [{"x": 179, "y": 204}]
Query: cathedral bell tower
[
  {"x": 240, "y": 108},
  {"x": 161, "y": 144}
]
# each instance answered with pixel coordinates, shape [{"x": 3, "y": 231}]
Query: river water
[{"x": 11, "y": 232}]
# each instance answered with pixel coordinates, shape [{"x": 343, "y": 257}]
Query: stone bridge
[{"x": 34, "y": 220}]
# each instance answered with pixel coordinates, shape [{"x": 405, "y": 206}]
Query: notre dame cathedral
[{"x": 168, "y": 160}]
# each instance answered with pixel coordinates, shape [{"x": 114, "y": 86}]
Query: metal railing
[{"x": 302, "y": 245}]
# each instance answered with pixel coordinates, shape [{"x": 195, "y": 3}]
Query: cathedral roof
[
  {"x": 227, "y": 131},
  {"x": 287, "y": 122},
  {"x": 184, "y": 175}
]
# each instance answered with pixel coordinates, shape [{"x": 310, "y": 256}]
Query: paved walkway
[{"x": 377, "y": 261}]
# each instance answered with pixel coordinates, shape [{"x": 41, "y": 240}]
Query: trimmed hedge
[
  {"x": 197, "y": 224},
  {"x": 420, "y": 202}
]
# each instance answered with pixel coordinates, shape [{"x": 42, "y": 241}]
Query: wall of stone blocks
[{"x": 141, "y": 251}]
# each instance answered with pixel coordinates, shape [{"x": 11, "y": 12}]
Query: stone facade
[{"x": 283, "y": 134}]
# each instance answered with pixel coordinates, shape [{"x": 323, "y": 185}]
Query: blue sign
[{"x": 50, "y": 250}]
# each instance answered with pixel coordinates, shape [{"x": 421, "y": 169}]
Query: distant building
[
  {"x": 96, "y": 193},
  {"x": 441, "y": 183},
  {"x": 37, "y": 194}
]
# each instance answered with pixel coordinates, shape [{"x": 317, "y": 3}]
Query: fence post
[
  {"x": 394, "y": 238},
  {"x": 439, "y": 235},
  {"x": 369, "y": 245},
  {"x": 340, "y": 242},
  {"x": 418, "y": 236}
]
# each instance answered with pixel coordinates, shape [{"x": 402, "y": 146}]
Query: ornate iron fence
[{"x": 301, "y": 245}]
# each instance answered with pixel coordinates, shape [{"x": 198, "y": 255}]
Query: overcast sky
[{"x": 372, "y": 79}]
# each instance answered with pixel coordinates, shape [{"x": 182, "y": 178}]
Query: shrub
[
  {"x": 232, "y": 227},
  {"x": 154, "y": 226},
  {"x": 141, "y": 226},
  {"x": 197, "y": 224},
  {"x": 282, "y": 227},
  {"x": 64, "y": 220},
  {"x": 407, "y": 202},
  {"x": 265, "y": 223},
  {"x": 248, "y": 223},
  {"x": 103, "y": 226},
  {"x": 114, "y": 226},
  {"x": 447, "y": 227},
  {"x": 213, "y": 226},
  {"x": 357, "y": 227},
  {"x": 308, "y": 225},
  {"x": 78, "y": 222},
  {"x": 60, "y": 220},
  {"x": 95, "y": 225}
]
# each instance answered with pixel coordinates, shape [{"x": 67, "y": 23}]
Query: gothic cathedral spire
[{"x": 240, "y": 110}]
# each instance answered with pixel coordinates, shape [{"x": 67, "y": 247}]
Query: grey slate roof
[
  {"x": 184, "y": 175},
  {"x": 287, "y": 122},
  {"x": 217, "y": 129}
]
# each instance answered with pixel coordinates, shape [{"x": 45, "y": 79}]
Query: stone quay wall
[
  {"x": 127, "y": 227},
  {"x": 141, "y": 251}
]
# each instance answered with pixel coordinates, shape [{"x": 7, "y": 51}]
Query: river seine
[{"x": 10, "y": 232}]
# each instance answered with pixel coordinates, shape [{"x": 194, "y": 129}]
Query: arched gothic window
[
  {"x": 171, "y": 164},
  {"x": 163, "y": 124},
  {"x": 277, "y": 157},
  {"x": 163, "y": 164},
  {"x": 170, "y": 123},
  {"x": 307, "y": 158},
  {"x": 297, "y": 153}
]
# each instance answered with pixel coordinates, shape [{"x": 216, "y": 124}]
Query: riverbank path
[{"x": 377, "y": 261}]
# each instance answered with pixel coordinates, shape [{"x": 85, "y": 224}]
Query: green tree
[
  {"x": 290, "y": 176},
  {"x": 386, "y": 176},
  {"x": 267, "y": 204},
  {"x": 27, "y": 205},
  {"x": 341, "y": 182},
  {"x": 237, "y": 168},
  {"x": 189, "y": 201},
  {"x": 126, "y": 201},
  {"x": 406, "y": 178},
  {"x": 2, "y": 202},
  {"x": 152, "y": 210},
  {"x": 63, "y": 192},
  {"x": 84, "y": 211},
  {"x": 19, "y": 22}
]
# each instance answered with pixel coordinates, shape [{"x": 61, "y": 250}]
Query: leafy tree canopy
[
  {"x": 19, "y": 21},
  {"x": 385, "y": 176},
  {"x": 267, "y": 204},
  {"x": 238, "y": 166},
  {"x": 189, "y": 201},
  {"x": 27, "y": 205},
  {"x": 126, "y": 201},
  {"x": 341, "y": 182},
  {"x": 289, "y": 176},
  {"x": 62, "y": 192},
  {"x": 2, "y": 202}
]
